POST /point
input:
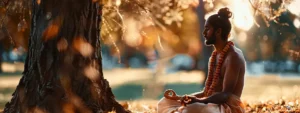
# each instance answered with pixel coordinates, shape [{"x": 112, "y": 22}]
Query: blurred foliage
[
  {"x": 147, "y": 25},
  {"x": 266, "y": 30}
]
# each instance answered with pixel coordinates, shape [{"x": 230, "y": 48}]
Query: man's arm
[
  {"x": 231, "y": 76},
  {"x": 217, "y": 98},
  {"x": 198, "y": 94}
]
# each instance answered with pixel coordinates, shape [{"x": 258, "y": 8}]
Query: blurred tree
[
  {"x": 158, "y": 29},
  {"x": 206, "y": 51},
  {"x": 1, "y": 52},
  {"x": 14, "y": 30},
  {"x": 275, "y": 37},
  {"x": 63, "y": 70}
]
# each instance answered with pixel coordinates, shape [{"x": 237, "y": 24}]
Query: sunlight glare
[
  {"x": 297, "y": 23},
  {"x": 293, "y": 7},
  {"x": 132, "y": 36},
  {"x": 242, "y": 14},
  {"x": 118, "y": 2},
  {"x": 242, "y": 37}
]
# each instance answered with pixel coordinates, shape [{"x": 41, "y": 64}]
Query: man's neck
[{"x": 219, "y": 45}]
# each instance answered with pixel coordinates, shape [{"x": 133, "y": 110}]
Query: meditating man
[{"x": 225, "y": 81}]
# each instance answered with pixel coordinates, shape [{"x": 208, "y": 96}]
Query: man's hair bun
[{"x": 225, "y": 13}]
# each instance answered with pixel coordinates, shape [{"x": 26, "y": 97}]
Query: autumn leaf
[
  {"x": 83, "y": 47},
  {"x": 62, "y": 45},
  {"x": 50, "y": 32},
  {"x": 38, "y": 2},
  {"x": 53, "y": 27},
  {"x": 92, "y": 73}
]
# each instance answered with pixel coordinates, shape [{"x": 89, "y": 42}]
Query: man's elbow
[{"x": 225, "y": 96}]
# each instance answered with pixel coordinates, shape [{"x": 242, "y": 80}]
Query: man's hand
[{"x": 192, "y": 99}]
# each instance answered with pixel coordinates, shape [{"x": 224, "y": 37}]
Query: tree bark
[
  {"x": 63, "y": 68},
  {"x": 206, "y": 51},
  {"x": 1, "y": 52}
]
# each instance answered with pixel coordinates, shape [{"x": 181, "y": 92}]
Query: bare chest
[{"x": 223, "y": 67}]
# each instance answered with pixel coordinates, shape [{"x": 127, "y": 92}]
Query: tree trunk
[
  {"x": 1, "y": 52},
  {"x": 63, "y": 68},
  {"x": 206, "y": 51}
]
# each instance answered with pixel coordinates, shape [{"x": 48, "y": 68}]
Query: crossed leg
[{"x": 167, "y": 106}]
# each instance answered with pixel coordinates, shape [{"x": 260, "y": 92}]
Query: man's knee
[
  {"x": 201, "y": 108},
  {"x": 162, "y": 101},
  {"x": 164, "y": 105}
]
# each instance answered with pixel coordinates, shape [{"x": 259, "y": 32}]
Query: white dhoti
[{"x": 233, "y": 105}]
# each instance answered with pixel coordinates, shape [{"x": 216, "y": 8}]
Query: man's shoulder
[{"x": 236, "y": 55}]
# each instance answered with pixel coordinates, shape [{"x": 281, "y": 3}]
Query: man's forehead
[{"x": 207, "y": 24}]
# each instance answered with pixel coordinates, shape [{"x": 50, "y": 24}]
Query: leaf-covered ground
[
  {"x": 271, "y": 106},
  {"x": 281, "y": 106},
  {"x": 267, "y": 93}
]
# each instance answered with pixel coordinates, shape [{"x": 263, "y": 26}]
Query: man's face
[{"x": 209, "y": 35}]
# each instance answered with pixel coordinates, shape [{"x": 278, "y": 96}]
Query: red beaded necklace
[{"x": 214, "y": 76}]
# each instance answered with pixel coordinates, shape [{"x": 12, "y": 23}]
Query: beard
[{"x": 210, "y": 40}]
